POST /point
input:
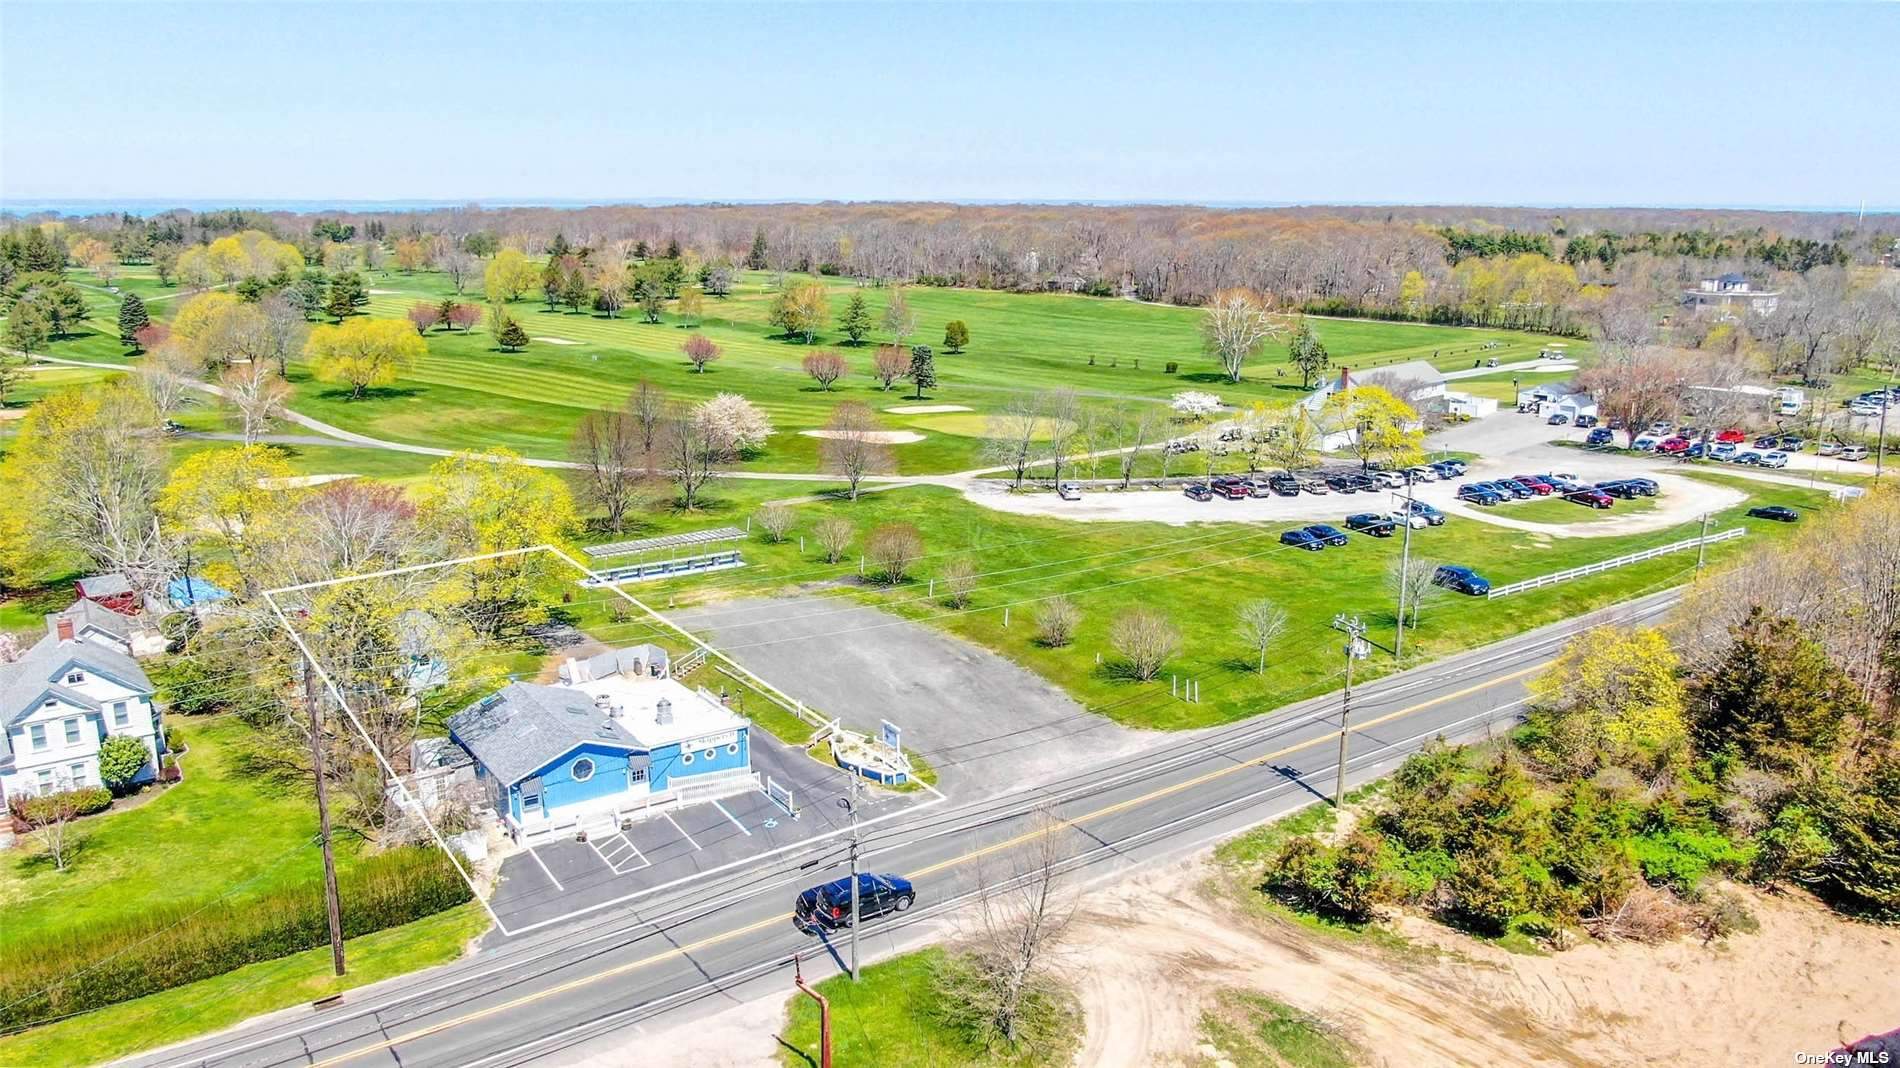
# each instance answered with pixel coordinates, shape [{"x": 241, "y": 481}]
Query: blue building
[{"x": 614, "y": 737}]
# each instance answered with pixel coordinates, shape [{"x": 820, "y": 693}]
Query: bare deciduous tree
[
  {"x": 958, "y": 579},
  {"x": 1001, "y": 985},
  {"x": 774, "y": 520},
  {"x": 258, "y": 394},
  {"x": 1146, "y": 639},
  {"x": 888, "y": 364},
  {"x": 647, "y": 405},
  {"x": 834, "y": 536},
  {"x": 1056, "y": 621},
  {"x": 853, "y": 446},
  {"x": 1234, "y": 327},
  {"x": 1635, "y": 389},
  {"x": 49, "y": 818},
  {"x": 825, "y": 367},
  {"x": 1010, "y": 435},
  {"x": 1413, "y": 584},
  {"x": 167, "y": 376},
  {"x": 1131, "y": 433},
  {"x": 1062, "y": 420},
  {"x": 1261, "y": 624},
  {"x": 894, "y": 547},
  {"x": 690, "y": 452},
  {"x": 613, "y": 470}
]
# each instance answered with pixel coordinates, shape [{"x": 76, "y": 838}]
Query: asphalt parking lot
[{"x": 559, "y": 877}]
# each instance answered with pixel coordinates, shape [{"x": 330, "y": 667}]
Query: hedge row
[{"x": 47, "y": 977}]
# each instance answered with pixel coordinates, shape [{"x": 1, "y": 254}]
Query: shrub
[
  {"x": 959, "y": 581},
  {"x": 1145, "y": 639},
  {"x": 88, "y": 967},
  {"x": 774, "y": 521},
  {"x": 894, "y": 547},
  {"x": 1348, "y": 882},
  {"x": 1056, "y": 622},
  {"x": 1173, "y": 367},
  {"x": 120, "y": 758},
  {"x": 85, "y": 801},
  {"x": 1680, "y": 857}
]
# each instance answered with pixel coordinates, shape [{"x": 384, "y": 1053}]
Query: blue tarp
[{"x": 193, "y": 592}]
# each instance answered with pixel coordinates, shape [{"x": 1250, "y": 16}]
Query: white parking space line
[
  {"x": 544, "y": 868},
  {"x": 620, "y": 851},
  {"x": 676, "y": 826},
  {"x": 733, "y": 818}
]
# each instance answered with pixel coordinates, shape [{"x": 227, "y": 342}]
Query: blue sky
[{"x": 1567, "y": 104}]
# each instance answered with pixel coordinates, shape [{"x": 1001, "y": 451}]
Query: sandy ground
[
  {"x": 556, "y": 340},
  {"x": 1149, "y": 954},
  {"x": 927, "y": 409},
  {"x": 888, "y": 437},
  {"x": 300, "y": 481}
]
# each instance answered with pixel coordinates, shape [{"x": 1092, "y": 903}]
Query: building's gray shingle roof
[
  {"x": 111, "y": 585},
  {"x": 86, "y": 613},
  {"x": 22, "y": 681},
  {"x": 530, "y": 725}
]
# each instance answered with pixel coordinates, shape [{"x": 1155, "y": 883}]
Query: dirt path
[{"x": 1154, "y": 951}]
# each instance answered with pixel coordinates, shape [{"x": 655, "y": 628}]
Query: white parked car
[
  {"x": 1418, "y": 521},
  {"x": 1661, "y": 427},
  {"x": 1389, "y": 479},
  {"x": 1724, "y": 451},
  {"x": 1854, "y": 452},
  {"x": 1774, "y": 459},
  {"x": 1828, "y": 448}
]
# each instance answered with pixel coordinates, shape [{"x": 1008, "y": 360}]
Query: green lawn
[
  {"x": 213, "y": 1004},
  {"x": 1198, "y": 576},
  {"x": 1252, "y": 1030},
  {"x": 886, "y": 1019},
  {"x": 1555, "y": 509},
  {"x": 467, "y": 394},
  {"x": 219, "y": 831}
]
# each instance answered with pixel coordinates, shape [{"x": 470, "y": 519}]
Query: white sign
[
  {"x": 711, "y": 741},
  {"x": 891, "y": 735}
]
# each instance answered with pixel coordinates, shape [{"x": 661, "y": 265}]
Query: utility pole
[
  {"x": 1880, "y": 444},
  {"x": 851, "y": 804},
  {"x": 1405, "y": 572},
  {"x": 1702, "y": 546},
  {"x": 1355, "y": 635},
  {"x": 313, "y": 701}
]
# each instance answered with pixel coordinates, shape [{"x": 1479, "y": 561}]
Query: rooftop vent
[
  {"x": 490, "y": 701},
  {"x": 663, "y": 712}
]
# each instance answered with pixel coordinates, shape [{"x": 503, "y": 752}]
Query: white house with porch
[
  {"x": 76, "y": 687},
  {"x": 614, "y": 740},
  {"x": 1415, "y": 382}
]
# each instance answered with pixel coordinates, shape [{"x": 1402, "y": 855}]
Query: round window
[
  {"x": 710, "y": 753},
  {"x": 733, "y": 748},
  {"x": 583, "y": 769},
  {"x": 686, "y": 758}
]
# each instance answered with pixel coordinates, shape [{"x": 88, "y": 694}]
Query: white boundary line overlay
[{"x": 336, "y": 693}]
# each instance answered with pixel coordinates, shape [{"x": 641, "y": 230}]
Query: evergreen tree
[
  {"x": 1865, "y": 827},
  {"x": 923, "y": 369},
  {"x": 511, "y": 337},
  {"x": 553, "y": 283},
  {"x": 559, "y": 248},
  {"x": 956, "y": 334},
  {"x": 641, "y": 250},
  {"x": 574, "y": 289},
  {"x": 339, "y": 305},
  {"x": 1775, "y": 694},
  {"x": 673, "y": 248},
  {"x": 445, "y": 310},
  {"x": 132, "y": 319},
  {"x": 756, "y": 258},
  {"x": 856, "y": 321}
]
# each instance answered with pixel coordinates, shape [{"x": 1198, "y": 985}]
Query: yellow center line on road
[{"x": 1106, "y": 810}]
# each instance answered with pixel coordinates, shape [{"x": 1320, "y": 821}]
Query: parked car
[
  {"x": 1364, "y": 483},
  {"x": 1661, "y": 428},
  {"x": 1302, "y": 538},
  {"x": 1388, "y": 479},
  {"x": 1371, "y": 523},
  {"x": 828, "y": 907},
  {"x": 1456, "y": 467},
  {"x": 1619, "y": 488},
  {"x": 1750, "y": 457},
  {"x": 1234, "y": 491},
  {"x": 1672, "y": 446},
  {"x": 1789, "y": 443},
  {"x": 1778, "y": 513},
  {"x": 1515, "y": 488},
  {"x": 1732, "y": 435},
  {"x": 1724, "y": 451},
  {"x": 1595, "y": 498},
  {"x": 1412, "y": 519},
  {"x": 1421, "y": 474},
  {"x": 1558, "y": 419},
  {"x": 1331, "y": 535},
  {"x": 1314, "y": 486},
  {"x": 1197, "y": 491},
  {"x": 1069, "y": 491},
  {"x": 1645, "y": 443},
  {"x": 1775, "y": 458},
  {"x": 1284, "y": 485},
  {"x": 1341, "y": 484},
  {"x": 1534, "y": 484},
  {"x": 1828, "y": 448},
  {"x": 1426, "y": 512},
  {"x": 1461, "y": 579},
  {"x": 1478, "y": 494},
  {"x": 1765, "y": 441},
  {"x": 1854, "y": 452},
  {"x": 1586, "y": 421},
  {"x": 1698, "y": 451},
  {"x": 1602, "y": 435},
  {"x": 1646, "y": 487}
]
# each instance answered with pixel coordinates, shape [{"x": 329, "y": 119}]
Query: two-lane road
[{"x": 583, "y": 987}]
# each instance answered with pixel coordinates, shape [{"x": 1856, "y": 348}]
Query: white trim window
[
  {"x": 46, "y": 781},
  {"x": 75, "y": 678},
  {"x": 37, "y": 732},
  {"x": 121, "y": 717},
  {"x": 582, "y": 769},
  {"x": 72, "y": 730},
  {"x": 636, "y": 776},
  {"x": 78, "y": 772}
]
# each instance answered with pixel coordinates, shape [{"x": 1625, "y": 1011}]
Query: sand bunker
[
  {"x": 555, "y": 340},
  {"x": 300, "y": 481},
  {"x": 887, "y": 437},
  {"x": 926, "y": 409}
]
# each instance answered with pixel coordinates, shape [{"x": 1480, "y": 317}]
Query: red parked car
[
  {"x": 1673, "y": 445},
  {"x": 1591, "y": 497},
  {"x": 1536, "y": 485},
  {"x": 1732, "y": 435}
]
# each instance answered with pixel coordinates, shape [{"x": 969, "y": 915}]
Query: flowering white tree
[
  {"x": 730, "y": 418},
  {"x": 1194, "y": 404}
]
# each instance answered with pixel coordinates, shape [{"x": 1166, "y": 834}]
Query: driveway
[{"x": 982, "y": 721}]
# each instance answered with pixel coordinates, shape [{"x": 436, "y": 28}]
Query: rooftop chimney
[
  {"x": 63, "y": 627},
  {"x": 663, "y": 712}
]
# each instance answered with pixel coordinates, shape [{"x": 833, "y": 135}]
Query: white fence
[{"x": 1614, "y": 562}]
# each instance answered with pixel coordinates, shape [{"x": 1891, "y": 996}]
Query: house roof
[
  {"x": 26, "y": 680},
  {"x": 524, "y": 727},
  {"x": 113, "y": 585},
  {"x": 85, "y": 614}
]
